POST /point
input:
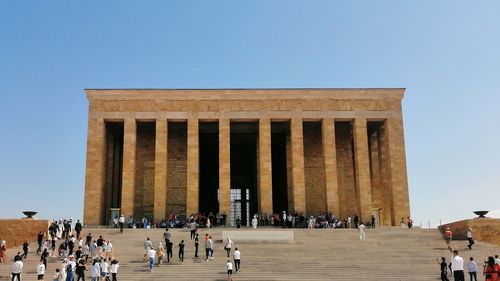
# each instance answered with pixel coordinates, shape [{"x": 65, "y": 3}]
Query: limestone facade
[{"x": 333, "y": 150}]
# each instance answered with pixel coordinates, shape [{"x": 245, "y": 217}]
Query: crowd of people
[
  {"x": 71, "y": 255},
  {"x": 455, "y": 268}
]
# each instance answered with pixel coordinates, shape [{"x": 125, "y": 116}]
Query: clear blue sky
[{"x": 446, "y": 53}]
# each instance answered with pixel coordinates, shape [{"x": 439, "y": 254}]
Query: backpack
[{"x": 69, "y": 268}]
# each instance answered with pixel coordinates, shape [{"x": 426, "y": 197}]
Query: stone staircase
[{"x": 387, "y": 254}]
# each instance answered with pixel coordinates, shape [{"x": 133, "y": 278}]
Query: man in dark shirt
[
  {"x": 181, "y": 251},
  {"x": 89, "y": 239},
  {"x": 39, "y": 240},
  {"x": 78, "y": 229},
  {"x": 169, "y": 246}
]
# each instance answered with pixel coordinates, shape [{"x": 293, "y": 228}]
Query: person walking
[
  {"x": 181, "y": 251},
  {"x": 208, "y": 247},
  {"x": 3, "y": 251},
  {"x": 17, "y": 270},
  {"x": 160, "y": 253},
  {"x": 444, "y": 268},
  {"x": 26, "y": 247},
  {"x": 148, "y": 245},
  {"x": 237, "y": 257},
  {"x": 196, "y": 245},
  {"x": 166, "y": 236},
  {"x": 472, "y": 268},
  {"x": 114, "y": 270},
  {"x": 469, "y": 237},
  {"x": 169, "y": 246},
  {"x": 362, "y": 234},
  {"x": 39, "y": 240},
  {"x": 457, "y": 266},
  {"x": 121, "y": 222},
  {"x": 80, "y": 270},
  {"x": 228, "y": 246},
  {"x": 229, "y": 266},
  {"x": 104, "y": 269},
  {"x": 96, "y": 271},
  {"x": 70, "y": 269},
  {"x": 40, "y": 270},
  {"x": 491, "y": 270},
  {"x": 78, "y": 229},
  {"x": 448, "y": 235},
  {"x": 151, "y": 256}
]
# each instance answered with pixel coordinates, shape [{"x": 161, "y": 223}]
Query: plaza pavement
[{"x": 387, "y": 254}]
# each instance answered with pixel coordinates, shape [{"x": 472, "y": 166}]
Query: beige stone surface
[
  {"x": 336, "y": 167},
  {"x": 387, "y": 254},
  {"x": 224, "y": 166},
  {"x": 265, "y": 190},
  {"x": 483, "y": 229},
  {"x": 16, "y": 231},
  {"x": 298, "y": 181},
  {"x": 160, "y": 194},
  {"x": 397, "y": 168},
  {"x": 330, "y": 163},
  {"x": 94, "y": 178},
  {"x": 128, "y": 175},
  {"x": 362, "y": 164},
  {"x": 193, "y": 166}
]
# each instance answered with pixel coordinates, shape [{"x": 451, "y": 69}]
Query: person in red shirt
[
  {"x": 491, "y": 270},
  {"x": 448, "y": 235}
]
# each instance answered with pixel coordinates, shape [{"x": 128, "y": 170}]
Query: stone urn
[
  {"x": 481, "y": 214},
  {"x": 29, "y": 214}
]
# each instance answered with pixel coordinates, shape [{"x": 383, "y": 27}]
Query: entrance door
[
  {"x": 376, "y": 214},
  {"x": 240, "y": 206}
]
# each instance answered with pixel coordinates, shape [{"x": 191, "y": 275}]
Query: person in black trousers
[
  {"x": 169, "y": 246},
  {"x": 196, "y": 244},
  {"x": 78, "y": 229},
  {"x": 26, "y": 246},
  {"x": 444, "y": 268},
  {"x": 181, "y": 251}
]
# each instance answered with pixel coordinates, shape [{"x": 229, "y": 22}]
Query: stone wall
[
  {"x": 177, "y": 168},
  {"x": 345, "y": 168},
  {"x": 314, "y": 168},
  {"x": 16, "y": 231},
  {"x": 145, "y": 170},
  {"x": 483, "y": 229}
]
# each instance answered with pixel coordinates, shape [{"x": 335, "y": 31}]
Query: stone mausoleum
[{"x": 151, "y": 152}]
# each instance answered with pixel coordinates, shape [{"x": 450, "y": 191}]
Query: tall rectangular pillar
[
  {"x": 362, "y": 167},
  {"x": 93, "y": 211},
  {"x": 225, "y": 166},
  {"x": 265, "y": 191},
  {"x": 193, "y": 166},
  {"x": 330, "y": 159},
  {"x": 128, "y": 170},
  {"x": 398, "y": 180},
  {"x": 298, "y": 182},
  {"x": 160, "y": 194}
]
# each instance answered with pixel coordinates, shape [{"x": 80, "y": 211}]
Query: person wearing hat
[
  {"x": 469, "y": 237},
  {"x": 448, "y": 235}
]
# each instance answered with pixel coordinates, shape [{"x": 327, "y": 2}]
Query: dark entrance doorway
[
  {"x": 243, "y": 171},
  {"x": 280, "y": 132},
  {"x": 209, "y": 167}
]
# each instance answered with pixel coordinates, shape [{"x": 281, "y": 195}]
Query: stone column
[
  {"x": 265, "y": 167},
  {"x": 330, "y": 158},
  {"x": 160, "y": 195},
  {"x": 225, "y": 167},
  {"x": 93, "y": 213},
  {"x": 299, "y": 190},
  {"x": 193, "y": 166},
  {"x": 128, "y": 169},
  {"x": 397, "y": 168},
  {"x": 362, "y": 163}
]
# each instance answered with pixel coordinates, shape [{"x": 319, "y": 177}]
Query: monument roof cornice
[{"x": 244, "y": 94}]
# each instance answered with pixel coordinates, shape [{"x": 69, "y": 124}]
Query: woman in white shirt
[
  {"x": 96, "y": 271},
  {"x": 229, "y": 266},
  {"x": 114, "y": 269},
  {"x": 40, "y": 270}
]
